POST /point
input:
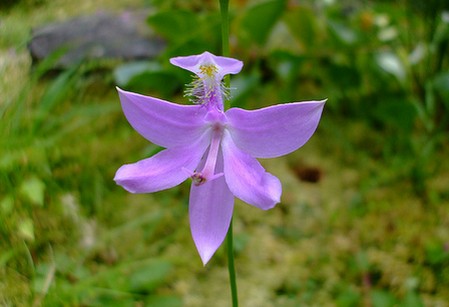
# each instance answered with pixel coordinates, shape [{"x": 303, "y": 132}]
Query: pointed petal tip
[
  {"x": 122, "y": 180},
  {"x": 271, "y": 206},
  {"x": 123, "y": 93},
  {"x": 321, "y": 104},
  {"x": 117, "y": 176},
  {"x": 317, "y": 102},
  {"x": 174, "y": 61},
  {"x": 205, "y": 251},
  {"x": 120, "y": 90},
  {"x": 205, "y": 258}
]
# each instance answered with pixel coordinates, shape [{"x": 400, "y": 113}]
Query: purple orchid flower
[{"x": 216, "y": 149}]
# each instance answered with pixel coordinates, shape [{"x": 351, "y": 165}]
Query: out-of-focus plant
[
  {"x": 51, "y": 183},
  {"x": 195, "y": 30},
  {"x": 384, "y": 63},
  {"x": 36, "y": 128},
  {"x": 428, "y": 65}
]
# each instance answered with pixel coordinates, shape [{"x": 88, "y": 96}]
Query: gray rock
[{"x": 100, "y": 36}]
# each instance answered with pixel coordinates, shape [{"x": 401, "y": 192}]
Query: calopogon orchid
[{"x": 217, "y": 149}]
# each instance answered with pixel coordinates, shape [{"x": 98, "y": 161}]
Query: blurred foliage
[
  {"x": 6, "y": 4},
  {"x": 373, "y": 232}
]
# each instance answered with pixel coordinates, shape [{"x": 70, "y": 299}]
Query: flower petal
[
  {"x": 161, "y": 122},
  {"x": 166, "y": 169},
  {"x": 274, "y": 131},
  {"x": 210, "y": 212},
  {"x": 192, "y": 63},
  {"x": 247, "y": 179}
]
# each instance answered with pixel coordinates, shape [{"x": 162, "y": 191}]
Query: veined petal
[
  {"x": 161, "y": 122},
  {"x": 164, "y": 170},
  {"x": 193, "y": 63},
  {"x": 274, "y": 131},
  {"x": 210, "y": 212},
  {"x": 247, "y": 179}
]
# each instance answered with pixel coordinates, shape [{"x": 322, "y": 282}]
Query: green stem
[
  {"x": 231, "y": 268},
  {"x": 224, "y": 9}
]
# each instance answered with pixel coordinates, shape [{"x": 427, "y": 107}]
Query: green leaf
[
  {"x": 441, "y": 85},
  {"x": 382, "y": 299},
  {"x": 26, "y": 229},
  {"x": 397, "y": 113},
  {"x": 436, "y": 254},
  {"x": 390, "y": 62},
  {"x": 57, "y": 91},
  {"x": 163, "y": 301},
  {"x": 7, "y": 205},
  {"x": 242, "y": 87},
  {"x": 412, "y": 299},
  {"x": 123, "y": 74},
  {"x": 343, "y": 33},
  {"x": 43, "y": 277},
  {"x": 174, "y": 25},
  {"x": 6, "y": 256},
  {"x": 362, "y": 261},
  {"x": 302, "y": 25},
  {"x": 260, "y": 19},
  {"x": 348, "y": 298},
  {"x": 441, "y": 35},
  {"x": 147, "y": 278},
  {"x": 33, "y": 189},
  {"x": 141, "y": 76}
]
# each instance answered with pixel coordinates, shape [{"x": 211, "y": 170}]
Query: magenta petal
[
  {"x": 274, "y": 131},
  {"x": 161, "y": 122},
  {"x": 210, "y": 211},
  {"x": 166, "y": 169},
  {"x": 247, "y": 179},
  {"x": 192, "y": 63}
]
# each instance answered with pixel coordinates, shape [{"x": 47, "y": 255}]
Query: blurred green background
[{"x": 364, "y": 218}]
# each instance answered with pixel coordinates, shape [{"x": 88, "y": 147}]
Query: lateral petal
[
  {"x": 247, "y": 179},
  {"x": 164, "y": 170},
  {"x": 161, "y": 122},
  {"x": 276, "y": 130},
  {"x": 210, "y": 212}
]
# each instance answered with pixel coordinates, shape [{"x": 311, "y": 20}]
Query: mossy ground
[{"x": 358, "y": 236}]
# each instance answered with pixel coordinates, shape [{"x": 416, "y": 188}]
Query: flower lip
[
  {"x": 215, "y": 116},
  {"x": 206, "y": 64},
  {"x": 208, "y": 70}
]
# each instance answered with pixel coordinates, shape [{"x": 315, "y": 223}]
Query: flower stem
[
  {"x": 224, "y": 9},
  {"x": 231, "y": 268}
]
